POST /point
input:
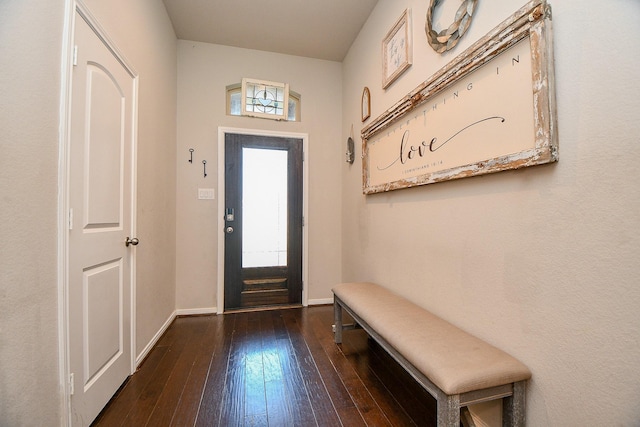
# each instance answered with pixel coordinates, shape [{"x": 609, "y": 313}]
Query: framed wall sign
[
  {"x": 492, "y": 108},
  {"x": 397, "y": 52}
]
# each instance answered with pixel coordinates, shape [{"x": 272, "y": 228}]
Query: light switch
[{"x": 206, "y": 194}]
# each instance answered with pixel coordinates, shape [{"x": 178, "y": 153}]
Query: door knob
[
  {"x": 229, "y": 230},
  {"x": 130, "y": 241}
]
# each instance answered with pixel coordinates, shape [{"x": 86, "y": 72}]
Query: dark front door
[{"x": 263, "y": 221}]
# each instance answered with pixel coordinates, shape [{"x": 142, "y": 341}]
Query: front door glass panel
[{"x": 264, "y": 207}]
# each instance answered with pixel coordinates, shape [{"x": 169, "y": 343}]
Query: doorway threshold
[{"x": 261, "y": 308}]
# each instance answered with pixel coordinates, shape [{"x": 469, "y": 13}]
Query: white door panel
[
  {"x": 104, "y": 149},
  {"x": 102, "y": 319}
]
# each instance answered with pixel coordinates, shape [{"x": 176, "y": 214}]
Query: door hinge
[
  {"x": 71, "y": 385},
  {"x": 75, "y": 55},
  {"x": 71, "y": 219}
]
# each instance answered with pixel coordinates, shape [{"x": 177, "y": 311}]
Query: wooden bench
[{"x": 455, "y": 367}]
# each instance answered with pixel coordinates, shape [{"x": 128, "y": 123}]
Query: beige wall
[
  {"x": 31, "y": 40},
  {"x": 204, "y": 70},
  {"x": 541, "y": 262}
]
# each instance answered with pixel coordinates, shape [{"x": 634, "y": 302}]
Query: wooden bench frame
[{"x": 449, "y": 406}]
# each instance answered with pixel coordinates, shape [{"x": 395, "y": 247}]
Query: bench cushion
[{"x": 455, "y": 361}]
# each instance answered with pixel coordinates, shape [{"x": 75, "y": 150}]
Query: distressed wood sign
[{"x": 490, "y": 109}]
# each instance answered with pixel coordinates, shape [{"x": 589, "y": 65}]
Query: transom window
[{"x": 261, "y": 98}]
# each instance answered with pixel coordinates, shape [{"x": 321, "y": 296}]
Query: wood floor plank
[
  {"x": 187, "y": 408},
  {"x": 148, "y": 399},
  {"x": 362, "y": 398},
  {"x": 210, "y": 404},
  {"x": 233, "y": 399},
  {"x": 254, "y": 395},
  {"x": 278, "y": 412},
  {"x": 296, "y": 394},
  {"x": 319, "y": 328},
  {"x": 321, "y": 402},
  {"x": 169, "y": 398},
  {"x": 122, "y": 403},
  {"x": 351, "y": 417}
]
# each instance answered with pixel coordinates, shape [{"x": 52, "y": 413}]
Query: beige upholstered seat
[{"x": 455, "y": 361}]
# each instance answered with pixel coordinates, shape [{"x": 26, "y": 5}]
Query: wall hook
[
  {"x": 191, "y": 150},
  {"x": 204, "y": 166}
]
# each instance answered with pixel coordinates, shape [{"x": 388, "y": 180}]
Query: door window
[{"x": 264, "y": 207}]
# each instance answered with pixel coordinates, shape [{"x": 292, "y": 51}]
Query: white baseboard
[
  {"x": 155, "y": 339},
  {"x": 321, "y": 301},
  {"x": 196, "y": 311}
]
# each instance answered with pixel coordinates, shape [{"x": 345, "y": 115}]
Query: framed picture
[
  {"x": 396, "y": 49},
  {"x": 366, "y": 104}
]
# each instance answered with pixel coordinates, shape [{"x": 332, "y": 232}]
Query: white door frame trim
[
  {"x": 67, "y": 57},
  {"x": 222, "y": 131}
]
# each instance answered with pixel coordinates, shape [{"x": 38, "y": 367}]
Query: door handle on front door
[
  {"x": 130, "y": 241},
  {"x": 229, "y": 230}
]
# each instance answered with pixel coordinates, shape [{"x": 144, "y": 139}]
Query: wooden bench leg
[
  {"x": 337, "y": 321},
  {"x": 449, "y": 411},
  {"x": 513, "y": 406}
]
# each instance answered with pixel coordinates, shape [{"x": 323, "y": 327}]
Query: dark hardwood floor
[{"x": 268, "y": 368}]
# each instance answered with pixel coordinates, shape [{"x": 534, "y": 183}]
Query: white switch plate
[{"x": 206, "y": 193}]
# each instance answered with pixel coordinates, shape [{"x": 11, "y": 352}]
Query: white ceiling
[{"x": 323, "y": 29}]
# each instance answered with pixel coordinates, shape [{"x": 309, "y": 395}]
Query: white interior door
[{"x": 100, "y": 199}]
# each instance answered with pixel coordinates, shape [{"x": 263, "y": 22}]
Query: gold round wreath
[{"x": 447, "y": 39}]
